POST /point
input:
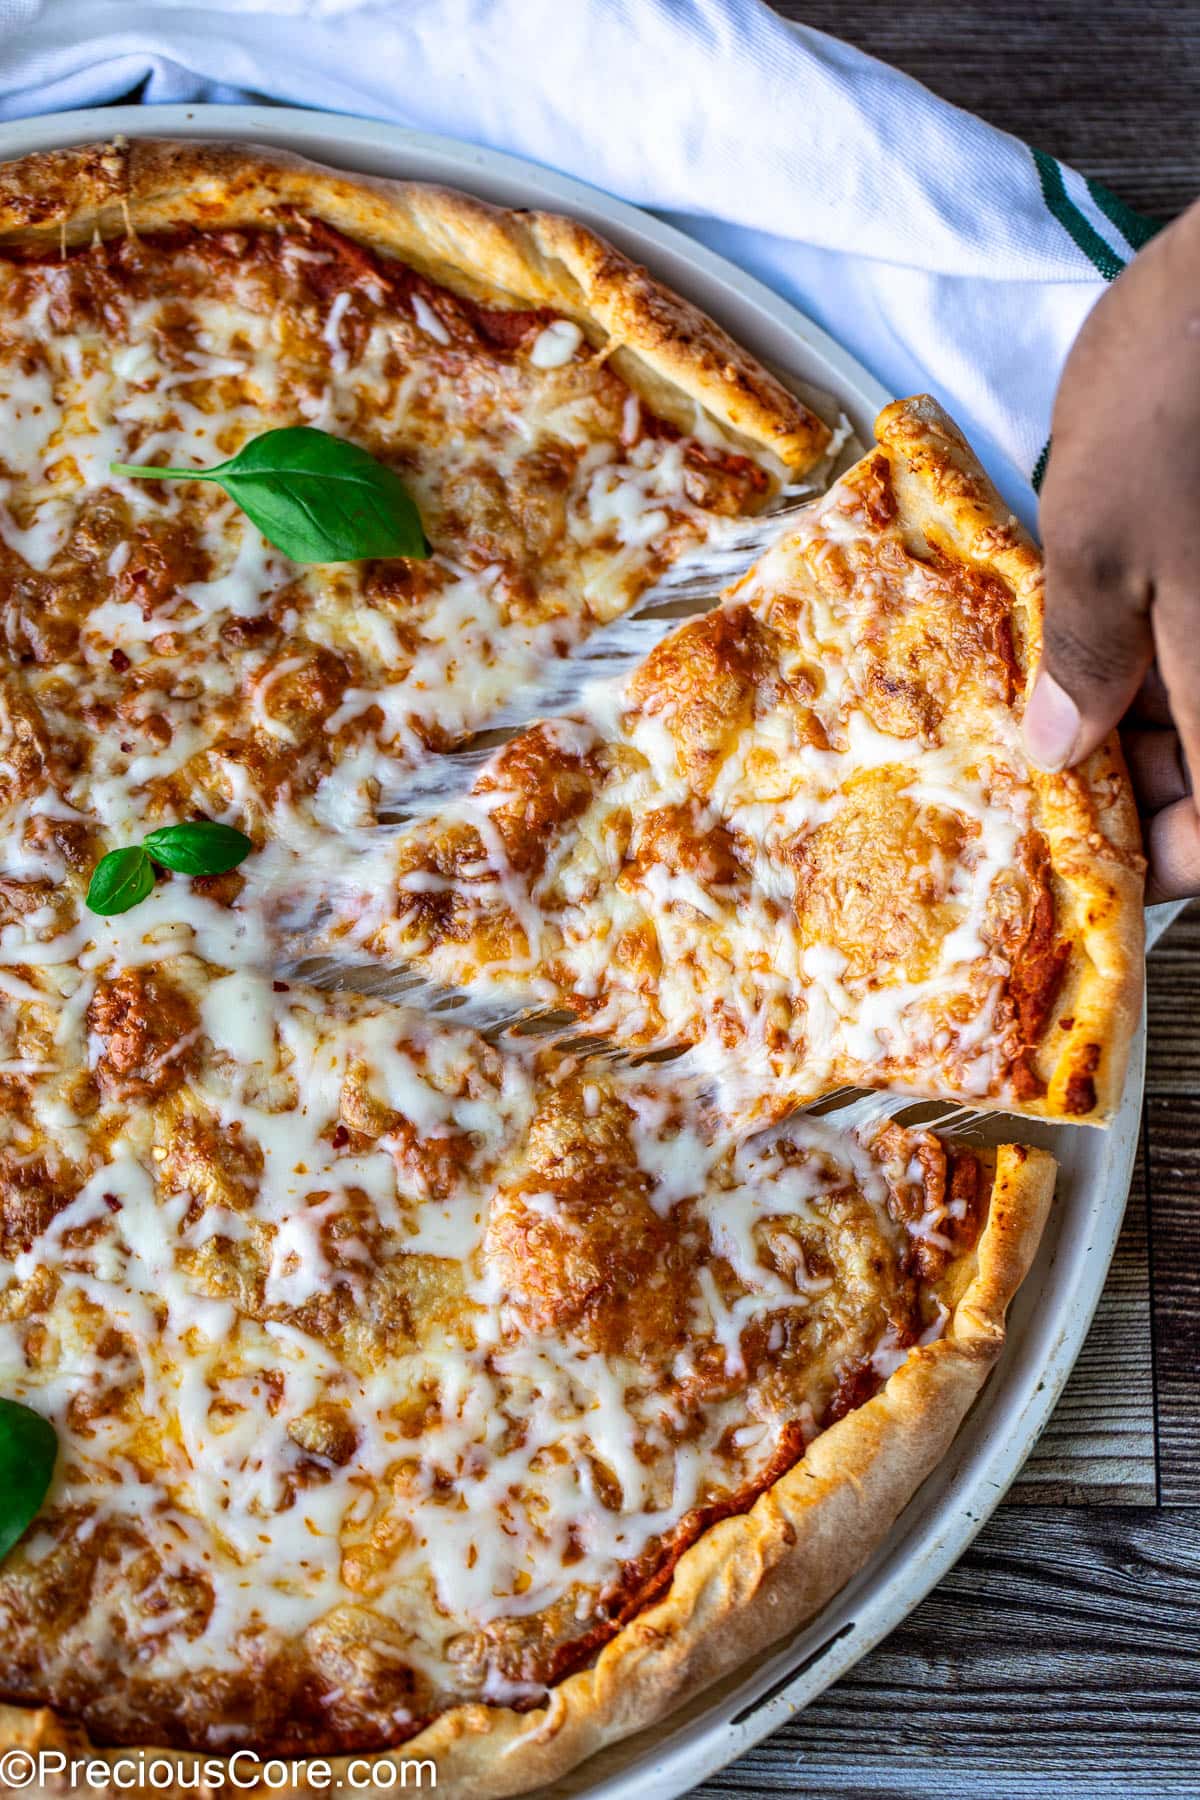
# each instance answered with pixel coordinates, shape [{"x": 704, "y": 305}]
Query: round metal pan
[{"x": 1050, "y": 1317}]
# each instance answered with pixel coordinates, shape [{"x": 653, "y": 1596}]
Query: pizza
[
  {"x": 801, "y": 837},
  {"x": 419, "y": 1392}
]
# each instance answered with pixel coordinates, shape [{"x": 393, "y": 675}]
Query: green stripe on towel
[
  {"x": 1134, "y": 227},
  {"x": 1082, "y": 233}
]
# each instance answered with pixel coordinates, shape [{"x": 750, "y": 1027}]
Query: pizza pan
[{"x": 1051, "y": 1314}]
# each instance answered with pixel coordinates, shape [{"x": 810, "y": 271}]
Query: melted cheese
[{"x": 806, "y": 863}]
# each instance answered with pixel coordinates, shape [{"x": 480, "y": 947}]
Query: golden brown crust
[
  {"x": 751, "y": 1579},
  {"x": 666, "y": 349},
  {"x": 1087, "y": 815}
]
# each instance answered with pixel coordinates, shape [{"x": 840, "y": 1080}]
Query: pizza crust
[
  {"x": 666, "y": 349},
  {"x": 749, "y": 1581},
  {"x": 1087, "y": 814}
]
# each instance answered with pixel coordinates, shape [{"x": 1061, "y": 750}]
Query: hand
[{"x": 1120, "y": 520}]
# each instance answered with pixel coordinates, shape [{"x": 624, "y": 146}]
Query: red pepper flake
[
  {"x": 280, "y": 987},
  {"x": 120, "y": 661},
  {"x": 341, "y": 1137},
  {"x": 112, "y": 1203}
]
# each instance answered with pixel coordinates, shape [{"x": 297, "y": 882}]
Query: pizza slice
[{"x": 802, "y": 838}]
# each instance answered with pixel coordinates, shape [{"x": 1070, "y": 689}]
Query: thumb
[{"x": 1097, "y": 648}]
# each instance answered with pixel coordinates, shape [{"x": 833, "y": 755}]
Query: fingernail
[{"x": 1052, "y": 722}]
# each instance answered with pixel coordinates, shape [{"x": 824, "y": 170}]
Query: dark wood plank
[
  {"x": 1174, "y": 1178},
  {"x": 1099, "y": 1447},
  {"x": 1060, "y": 1658},
  {"x": 1173, "y": 1018},
  {"x": 1110, "y": 88}
]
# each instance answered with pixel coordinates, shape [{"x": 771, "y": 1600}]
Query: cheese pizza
[
  {"x": 414, "y": 1391},
  {"x": 802, "y": 836}
]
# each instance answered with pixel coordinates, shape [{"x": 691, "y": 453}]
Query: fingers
[
  {"x": 1097, "y": 647},
  {"x": 1173, "y": 827},
  {"x": 1156, "y": 768},
  {"x": 1177, "y": 635},
  {"x": 1173, "y": 850},
  {"x": 1151, "y": 704},
  {"x": 1170, "y": 820}
]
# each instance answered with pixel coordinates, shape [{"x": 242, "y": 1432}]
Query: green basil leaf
[
  {"x": 199, "y": 847},
  {"x": 120, "y": 880},
  {"x": 28, "y": 1450},
  {"x": 319, "y": 498},
  {"x": 316, "y": 497}
]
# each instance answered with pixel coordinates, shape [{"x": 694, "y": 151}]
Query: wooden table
[{"x": 1062, "y": 1655}]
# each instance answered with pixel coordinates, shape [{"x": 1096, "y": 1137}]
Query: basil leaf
[
  {"x": 28, "y": 1451},
  {"x": 199, "y": 847},
  {"x": 316, "y": 497},
  {"x": 120, "y": 880},
  {"x": 321, "y": 499}
]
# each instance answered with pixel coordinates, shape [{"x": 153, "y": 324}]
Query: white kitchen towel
[{"x": 945, "y": 254}]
